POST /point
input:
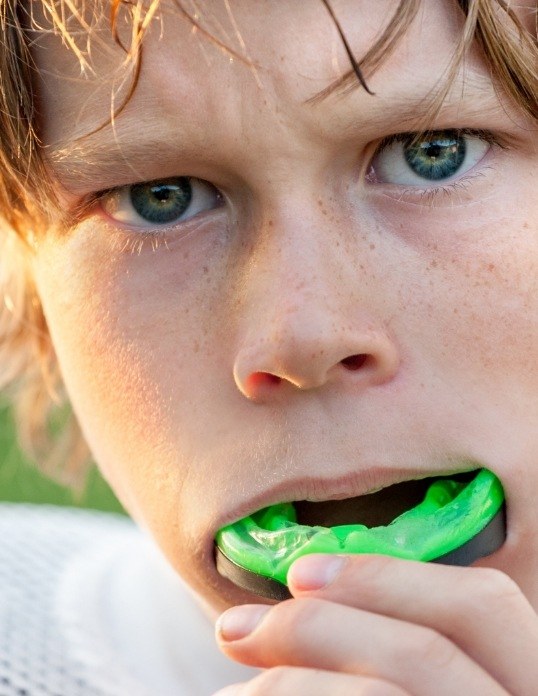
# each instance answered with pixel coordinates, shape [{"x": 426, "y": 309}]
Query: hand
[{"x": 388, "y": 627}]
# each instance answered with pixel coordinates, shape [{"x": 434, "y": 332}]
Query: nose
[
  {"x": 304, "y": 358},
  {"x": 307, "y": 325}
]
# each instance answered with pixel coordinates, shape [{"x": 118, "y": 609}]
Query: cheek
[
  {"x": 475, "y": 295},
  {"x": 135, "y": 338},
  {"x": 489, "y": 317},
  {"x": 480, "y": 335}
]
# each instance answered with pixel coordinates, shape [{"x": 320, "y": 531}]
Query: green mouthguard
[{"x": 452, "y": 512}]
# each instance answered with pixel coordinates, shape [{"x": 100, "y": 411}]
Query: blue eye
[
  {"x": 161, "y": 202},
  {"x": 411, "y": 160},
  {"x": 436, "y": 157}
]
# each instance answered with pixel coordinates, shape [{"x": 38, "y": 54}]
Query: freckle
[
  {"x": 434, "y": 264},
  {"x": 456, "y": 310},
  {"x": 491, "y": 267},
  {"x": 372, "y": 246},
  {"x": 206, "y": 270},
  {"x": 185, "y": 254},
  {"x": 270, "y": 223}
]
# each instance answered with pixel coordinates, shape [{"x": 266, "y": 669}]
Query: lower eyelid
[{"x": 460, "y": 192}]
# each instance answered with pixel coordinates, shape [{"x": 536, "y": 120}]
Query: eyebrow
[
  {"x": 101, "y": 156},
  {"x": 480, "y": 87},
  {"x": 80, "y": 164}
]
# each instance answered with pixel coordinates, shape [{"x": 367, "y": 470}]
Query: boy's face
[{"x": 323, "y": 325}]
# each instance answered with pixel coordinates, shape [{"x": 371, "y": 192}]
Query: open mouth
[
  {"x": 377, "y": 509},
  {"x": 453, "y": 520}
]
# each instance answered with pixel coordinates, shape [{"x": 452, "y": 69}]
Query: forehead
[{"x": 238, "y": 64}]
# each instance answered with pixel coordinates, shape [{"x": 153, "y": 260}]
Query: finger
[
  {"x": 479, "y": 609},
  {"x": 232, "y": 690},
  {"x": 283, "y": 681},
  {"x": 315, "y": 633}
]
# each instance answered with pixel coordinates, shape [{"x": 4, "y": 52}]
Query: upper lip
[{"x": 350, "y": 485}]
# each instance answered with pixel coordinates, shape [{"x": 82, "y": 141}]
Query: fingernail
[
  {"x": 238, "y": 622},
  {"x": 315, "y": 571}
]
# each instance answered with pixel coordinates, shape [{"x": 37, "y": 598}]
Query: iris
[
  {"x": 164, "y": 201},
  {"x": 436, "y": 157}
]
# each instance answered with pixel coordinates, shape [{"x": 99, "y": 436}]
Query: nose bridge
[
  {"x": 304, "y": 312},
  {"x": 295, "y": 271}
]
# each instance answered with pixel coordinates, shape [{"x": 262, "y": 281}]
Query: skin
[{"x": 207, "y": 374}]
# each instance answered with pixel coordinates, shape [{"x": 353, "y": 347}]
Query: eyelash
[
  {"x": 486, "y": 135},
  {"x": 431, "y": 195},
  {"x": 135, "y": 243}
]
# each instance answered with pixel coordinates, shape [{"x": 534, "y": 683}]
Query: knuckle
[
  {"x": 484, "y": 592},
  {"x": 496, "y": 586},
  {"x": 433, "y": 649}
]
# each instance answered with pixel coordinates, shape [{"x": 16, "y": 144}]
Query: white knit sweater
[{"x": 88, "y": 607}]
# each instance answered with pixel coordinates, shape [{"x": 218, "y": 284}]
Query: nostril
[
  {"x": 354, "y": 362},
  {"x": 259, "y": 379}
]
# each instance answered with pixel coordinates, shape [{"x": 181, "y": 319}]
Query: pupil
[
  {"x": 437, "y": 156},
  {"x": 433, "y": 151},
  {"x": 162, "y": 201},
  {"x": 161, "y": 193}
]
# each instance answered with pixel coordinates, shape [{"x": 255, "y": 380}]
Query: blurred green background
[{"x": 21, "y": 482}]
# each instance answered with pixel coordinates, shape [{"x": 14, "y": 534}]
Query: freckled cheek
[
  {"x": 133, "y": 347},
  {"x": 487, "y": 309},
  {"x": 474, "y": 293}
]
